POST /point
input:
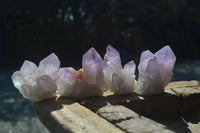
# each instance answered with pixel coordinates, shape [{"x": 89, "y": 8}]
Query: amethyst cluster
[
  {"x": 155, "y": 71},
  {"x": 96, "y": 76},
  {"x": 38, "y": 83}
]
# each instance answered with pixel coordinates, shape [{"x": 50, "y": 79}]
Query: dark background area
[{"x": 32, "y": 29}]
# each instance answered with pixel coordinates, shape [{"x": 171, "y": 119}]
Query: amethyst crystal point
[
  {"x": 116, "y": 79},
  {"x": 37, "y": 84},
  {"x": 92, "y": 64},
  {"x": 82, "y": 83},
  {"x": 112, "y": 58},
  {"x": 155, "y": 71},
  {"x": 28, "y": 68},
  {"x": 166, "y": 60},
  {"x": 50, "y": 66},
  {"x": 129, "y": 68},
  {"x": 125, "y": 83},
  {"x": 112, "y": 64}
]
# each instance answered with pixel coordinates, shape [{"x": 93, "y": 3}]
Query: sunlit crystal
[
  {"x": 82, "y": 83},
  {"x": 92, "y": 64},
  {"x": 50, "y": 66},
  {"x": 37, "y": 84},
  {"x": 116, "y": 79},
  {"x": 96, "y": 75},
  {"x": 67, "y": 74},
  {"x": 166, "y": 60},
  {"x": 155, "y": 71}
]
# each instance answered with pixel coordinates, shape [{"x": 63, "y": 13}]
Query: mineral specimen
[
  {"x": 115, "y": 78},
  {"x": 38, "y": 83},
  {"x": 82, "y": 83},
  {"x": 155, "y": 71},
  {"x": 96, "y": 76}
]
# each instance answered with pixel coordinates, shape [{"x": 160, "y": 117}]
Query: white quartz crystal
[
  {"x": 35, "y": 83},
  {"x": 155, "y": 71},
  {"x": 115, "y": 78}
]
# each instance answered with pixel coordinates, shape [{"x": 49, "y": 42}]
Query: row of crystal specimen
[{"x": 96, "y": 76}]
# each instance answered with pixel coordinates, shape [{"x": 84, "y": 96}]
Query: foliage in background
[{"x": 33, "y": 29}]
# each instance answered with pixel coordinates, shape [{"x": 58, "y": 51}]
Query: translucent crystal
[
  {"x": 116, "y": 79},
  {"x": 28, "y": 68},
  {"x": 112, "y": 64},
  {"x": 82, "y": 83},
  {"x": 124, "y": 83},
  {"x": 18, "y": 79},
  {"x": 67, "y": 77},
  {"x": 112, "y": 58},
  {"x": 67, "y": 74},
  {"x": 166, "y": 60},
  {"x": 155, "y": 71},
  {"x": 92, "y": 64},
  {"x": 129, "y": 68},
  {"x": 97, "y": 75},
  {"x": 37, "y": 84},
  {"x": 78, "y": 89},
  {"x": 50, "y": 66},
  {"x": 129, "y": 75}
]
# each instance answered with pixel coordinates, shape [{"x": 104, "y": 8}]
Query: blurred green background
[{"x": 32, "y": 29}]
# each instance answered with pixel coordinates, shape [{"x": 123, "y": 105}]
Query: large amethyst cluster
[
  {"x": 96, "y": 76},
  {"x": 155, "y": 71}
]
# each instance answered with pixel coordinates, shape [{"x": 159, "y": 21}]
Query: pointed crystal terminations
[
  {"x": 116, "y": 79},
  {"x": 96, "y": 76},
  {"x": 92, "y": 64},
  {"x": 37, "y": 84},
  {"x": 155, "y": 71},
  {"x": 82, "y": 83}
]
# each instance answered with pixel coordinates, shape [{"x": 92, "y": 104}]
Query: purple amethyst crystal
[
  {"x": 155, "y": 71},
  {"x": 37, "y": 84},
  {"x": 81, "y": 83},
  {"x": 92, "y": 64},
  {"x": 97, "y": 75},
  {"x": 117, "y": 79}
]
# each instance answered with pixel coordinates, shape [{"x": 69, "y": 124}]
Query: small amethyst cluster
[{"x": 96, "y": 76}]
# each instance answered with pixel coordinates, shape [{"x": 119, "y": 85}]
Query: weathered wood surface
[
  {"x": 130, "y": 121},
  {"x": 172, "y": 111},
  {"x": 69, "y": 116}
]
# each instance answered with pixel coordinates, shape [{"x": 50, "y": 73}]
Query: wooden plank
[
  {"x": 127, "y": 112},
  {"x": 68, "y": 116},
  {"x": 175, "y": 100},
  {"x": 181, "y": 84},
  {"x": 155, "y": 106},
  {"x": 189, "y": 92},
  {"x": 130, "y": 121}
]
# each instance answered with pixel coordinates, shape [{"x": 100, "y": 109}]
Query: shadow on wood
[{"x": 172, "y": 111}]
